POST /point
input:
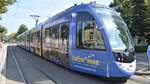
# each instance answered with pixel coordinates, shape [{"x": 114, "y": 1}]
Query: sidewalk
[
  {"x": 3, "y": 51},
  {"x": 142, "y": 64}
]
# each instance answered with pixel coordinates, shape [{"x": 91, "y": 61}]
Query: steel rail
[
  {"x": 36, "y": 66},
  {"x": 18, "y": 67}
]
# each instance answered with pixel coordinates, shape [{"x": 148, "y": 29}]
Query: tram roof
[
  {"x": 71, "y": 9},
  {"x": 63, "y": 13},
  {"x": 23, "y": 33}
]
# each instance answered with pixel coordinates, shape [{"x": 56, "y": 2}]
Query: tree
[
  {"x": 21, "y": 29},
  {"x": 4, "y": 4},
  {"x": 125, "y": 8},
  {"x": 3, "y": 31},
  {"x": 12, "y": 37},
  {"x": 139, "y": 16},
  {"x": 147, "y": 2},
  {"x": 147, "y": 19},
  {"x": 136, "y": 14}
]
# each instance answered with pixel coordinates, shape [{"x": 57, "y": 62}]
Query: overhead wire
[
  {"x": 13, "y": 20},
  {"x": 42, "y": 11}
]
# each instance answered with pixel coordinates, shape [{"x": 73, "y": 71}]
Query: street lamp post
[
  {"x": 148, "y": 56},
  {"x": 36, "y": 17}
]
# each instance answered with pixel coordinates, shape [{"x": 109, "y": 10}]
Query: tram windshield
[{"x": 116, "y": 29}]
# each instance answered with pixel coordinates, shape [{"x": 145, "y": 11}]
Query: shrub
[
  {"x": 141, "y": 49},
  {"x": 147, "y": 36}
]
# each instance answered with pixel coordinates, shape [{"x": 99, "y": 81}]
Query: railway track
[
  {"x": 19, "y": 68},
  {"x": 51, "y": 71},
  {"x": 24, "y": 74},
  {"x": 38, "y": 67},
  {"x": 71, "y": 74}
]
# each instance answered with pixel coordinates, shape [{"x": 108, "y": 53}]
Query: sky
[{"x": 19, "y": 13}]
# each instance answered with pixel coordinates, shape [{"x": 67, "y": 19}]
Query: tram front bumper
[{"x": 121, "y": 70}]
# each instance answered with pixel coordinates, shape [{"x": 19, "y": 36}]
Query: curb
[
  {"x": 3, "y": 67},
  {"x": 142, "y": 72},
  {"x": 3, "y": 77},
  {"x": 140, "y": 79}
]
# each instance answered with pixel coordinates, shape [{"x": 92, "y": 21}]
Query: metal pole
[
  {"x": 36, "y": 17},
  {"x": 148, "y": 57},
  {"x": 148, "y": 64},
  {"x": 36, "y": 22}
]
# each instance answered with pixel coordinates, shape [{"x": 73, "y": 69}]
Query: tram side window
[
  {"x": 31, "y": 37},
  {"x": 55, "y": 32},
  {"x": 47, "y": 37},
  {"x": 38, "y": 36},
  {"x": 64, "y": 33},
  {"x": 89, "y": 35},
  {"x": 27, "y": 37},
  {"x": 34, "y": 37},
  {"x": 55, "y": 36},
  {"x": 47, "y": 33}
]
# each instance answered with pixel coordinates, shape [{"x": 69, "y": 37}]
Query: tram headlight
[
  {"x": 125, "y": 61},
  {"x": 119, "y": 57},
  {"x": 124, "y": 57}
]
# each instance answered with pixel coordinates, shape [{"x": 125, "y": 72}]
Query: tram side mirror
[{"x": 74, "y": 15}]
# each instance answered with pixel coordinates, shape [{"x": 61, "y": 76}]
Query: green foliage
[
  {"x": 126, "y": 9},
  {"x": 4, "y": 4},
  {"x": 136, "y": 14},
  {"x": 147, "y": 36},
  {"x": 139, "y": 15},
  {"x": 147, "y": 19},
  {"x": 12, "y": 37},
  {"x": 3, "y": 31},
  {"x": 140, "y": 49},
  {"x": 147, "y": 2},
  {"x": 21, "y": 29}
]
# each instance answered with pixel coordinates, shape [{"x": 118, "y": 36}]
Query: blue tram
[{"x": 89, "y": 38}]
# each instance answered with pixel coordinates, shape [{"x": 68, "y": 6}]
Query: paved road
[
  {"x": 30, "y": 73},
  {"x": 60, "y": 74},
  {"x": 142, "y": 61}
]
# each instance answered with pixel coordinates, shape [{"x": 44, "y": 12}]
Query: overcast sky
[{"x": 19, "y": 13}]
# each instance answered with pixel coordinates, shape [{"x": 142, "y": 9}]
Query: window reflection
[
  {"x": 88, "y": 33},
  {"x": 116, "y": 29}
]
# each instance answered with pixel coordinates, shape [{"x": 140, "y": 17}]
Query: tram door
[{"x": 87, "y": 48}]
